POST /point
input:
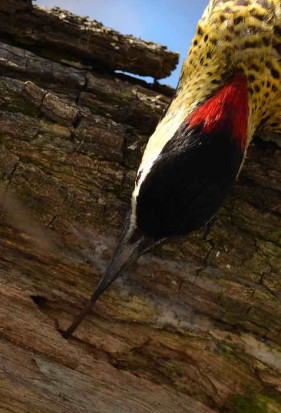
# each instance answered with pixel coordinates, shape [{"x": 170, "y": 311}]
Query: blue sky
[{"x": 169, "y": 22}]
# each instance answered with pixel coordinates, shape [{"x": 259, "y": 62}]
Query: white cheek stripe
[{"x": 163, "y": 133}]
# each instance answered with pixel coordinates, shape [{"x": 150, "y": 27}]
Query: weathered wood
[
  {"x": 16, "y": 5},
  {"x": 64, "y": 37},
  {"x": 193, "y": 328}
]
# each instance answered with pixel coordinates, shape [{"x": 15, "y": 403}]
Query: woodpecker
[{"x": 229, "y": 89}]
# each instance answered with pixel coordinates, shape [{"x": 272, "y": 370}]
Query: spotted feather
[{"x": 232, "y": 35}]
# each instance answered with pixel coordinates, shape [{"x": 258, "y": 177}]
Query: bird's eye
[{"x": 138, "y": 177}]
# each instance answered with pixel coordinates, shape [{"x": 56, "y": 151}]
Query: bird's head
[
  {"x": 182, "y": 184},
  {"x": 227, "y": 90}
]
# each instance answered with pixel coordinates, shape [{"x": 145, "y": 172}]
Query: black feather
[{"x": 188, "y": 182}]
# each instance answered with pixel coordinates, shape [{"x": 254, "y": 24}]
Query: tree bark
[
  {"x": 80, "y": 41},
  {"x": 193, "y": 327}
]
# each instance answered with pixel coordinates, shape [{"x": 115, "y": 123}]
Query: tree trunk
[{"x": 193, "y": 327}]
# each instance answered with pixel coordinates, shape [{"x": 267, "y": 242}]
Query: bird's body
[
  {"x": 230, "y": 87},
  {"x": 237, "y": 43}
]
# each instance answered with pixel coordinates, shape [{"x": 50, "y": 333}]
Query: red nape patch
[{"x": 227, "y": 108}]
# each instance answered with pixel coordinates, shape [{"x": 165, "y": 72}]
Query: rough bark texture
[
  {"x": 194, "y": 327},
  {"x": 82, "y": 42}
]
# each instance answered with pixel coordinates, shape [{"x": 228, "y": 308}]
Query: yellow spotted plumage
[
  {"x": 187, "y": 167},
  {"x": 233, "y": 35},
  {"x": 240, "y": 35}
]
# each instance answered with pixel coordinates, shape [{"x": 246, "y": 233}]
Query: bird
[{"x": 229, "y": 89}]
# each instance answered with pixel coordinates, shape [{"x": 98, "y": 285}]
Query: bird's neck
[
  {"x": 224, "y": 110},
  {"x": 227, "y": 108}
]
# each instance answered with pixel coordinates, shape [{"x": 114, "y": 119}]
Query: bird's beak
[{"x": 131, "y": 246}]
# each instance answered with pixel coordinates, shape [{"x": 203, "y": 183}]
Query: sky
[{"x": 168, "y": 22}]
